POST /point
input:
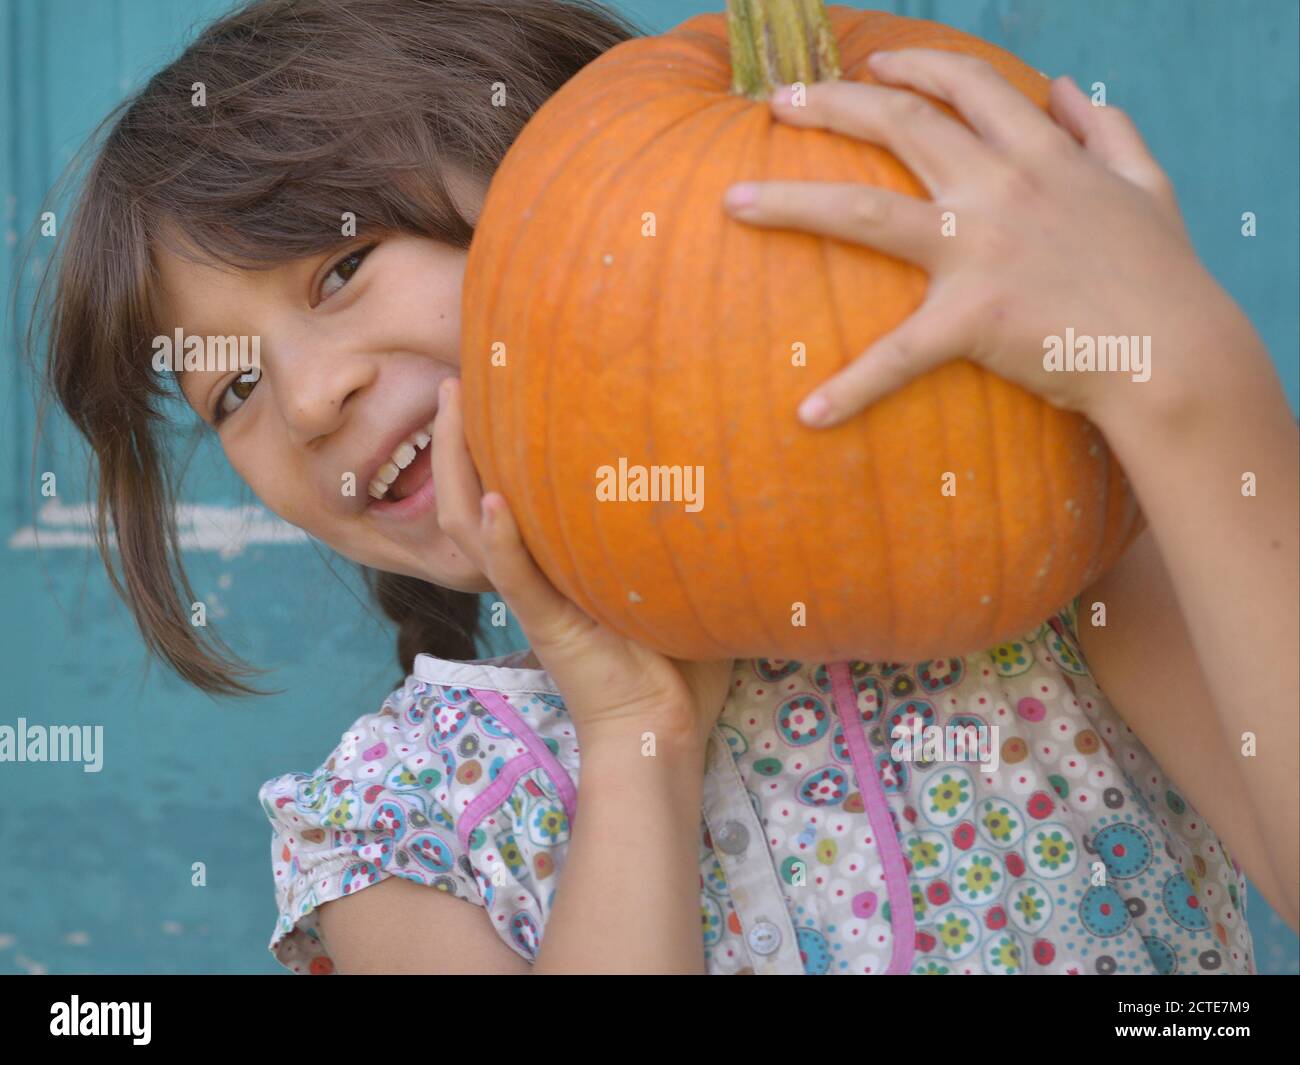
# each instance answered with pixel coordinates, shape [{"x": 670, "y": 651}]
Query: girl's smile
[{"x": 402, "y": 482}]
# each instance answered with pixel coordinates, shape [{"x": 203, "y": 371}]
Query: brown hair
[{"x": 313, "y": 107}]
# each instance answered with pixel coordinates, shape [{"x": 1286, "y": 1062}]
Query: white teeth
[{"x": 403, "y": 455}]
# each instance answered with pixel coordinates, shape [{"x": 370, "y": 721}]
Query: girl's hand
[
  {"x": 609, "y": 683},
  {"x": 1055, "y": 229}
]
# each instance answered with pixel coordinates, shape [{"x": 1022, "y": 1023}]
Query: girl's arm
[
  {"x": 628, "y": 899},
  {"x": 1075, "y": 226},
  {"x": 400, "y": 928},
  {"x": 1233, "y": 562},
  {"x": 1144, "y": 662}
]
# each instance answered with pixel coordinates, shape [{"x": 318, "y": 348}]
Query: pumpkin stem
[{"x": 777, "y": 42}]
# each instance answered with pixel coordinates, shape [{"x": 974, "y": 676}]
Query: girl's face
[{"x": 353, "y": 346}]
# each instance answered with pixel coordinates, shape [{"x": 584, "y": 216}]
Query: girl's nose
[{"x": 316, "y": 384}]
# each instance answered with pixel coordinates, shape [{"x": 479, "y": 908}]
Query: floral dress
[{"x": 845, "y": 828}]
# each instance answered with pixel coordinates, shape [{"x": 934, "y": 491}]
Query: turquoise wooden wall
[{"x": 96, "y": 870}]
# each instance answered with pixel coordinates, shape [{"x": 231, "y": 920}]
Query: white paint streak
[{"x": 227, "y": 530}]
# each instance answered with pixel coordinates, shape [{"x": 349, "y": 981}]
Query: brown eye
[
  {"x": 240, "y": 388},
  {"x": 345, "y": 268}
]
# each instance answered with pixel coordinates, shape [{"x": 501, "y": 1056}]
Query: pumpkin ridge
[
  {"x": 805, "y": 530},
  {"x": 589, "y": 600},
  {"x": 655, "y": 60},
  {"x": 747, "y": 148},
  {"x": 881, "y": 169},
  {"x": 709, "y": 44},
  {"x": 926, "y": 424},
  {"x": 1000, "y": 576},
  {"x": 870, "y": 174},
  {"x": 859, "y": 24},
  {"x": 758, "y": 157},
  {"x": 809, "y": 532},
  {"x": 722, "y": 648},
  {"x": 632, "y": 623},
  {"x": 952, "y": 512},
  {"x": 489, "y": 303},
  {"x": 988, "y": 518},
  {"x": 850, "y": 159},
  {"x": 497, "y": 427}
]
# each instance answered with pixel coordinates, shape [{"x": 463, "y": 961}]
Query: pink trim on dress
[
  {"x": 563, "y": 783},
  {"x": 903, "y": 919},
  {"x": 493, "y": 796}
]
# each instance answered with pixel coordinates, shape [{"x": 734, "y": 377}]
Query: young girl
[{"x": 601, "y": 807}]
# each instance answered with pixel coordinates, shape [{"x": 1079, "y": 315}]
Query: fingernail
[
  {"x": 485, "y": 512},
  {"x": 782, "y": 95},
  {"x": 814, "y": 410},
  {"x": 879, "y": 55},
  {"x": 742, "y": 196}
]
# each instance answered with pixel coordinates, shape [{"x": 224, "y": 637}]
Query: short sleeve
[{"x": 368, "y": 813}]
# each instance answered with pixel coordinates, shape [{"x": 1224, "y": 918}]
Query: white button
[
  {"x": 764, "y": 938},
  {"x": 733, "y": 838}
]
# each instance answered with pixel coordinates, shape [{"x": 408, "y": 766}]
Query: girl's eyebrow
[
  {"x": 186, "y": 333},
  {"x": 290, "y": 274}
]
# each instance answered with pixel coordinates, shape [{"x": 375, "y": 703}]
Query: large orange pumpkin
[{"x": 615, "y": 316}]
